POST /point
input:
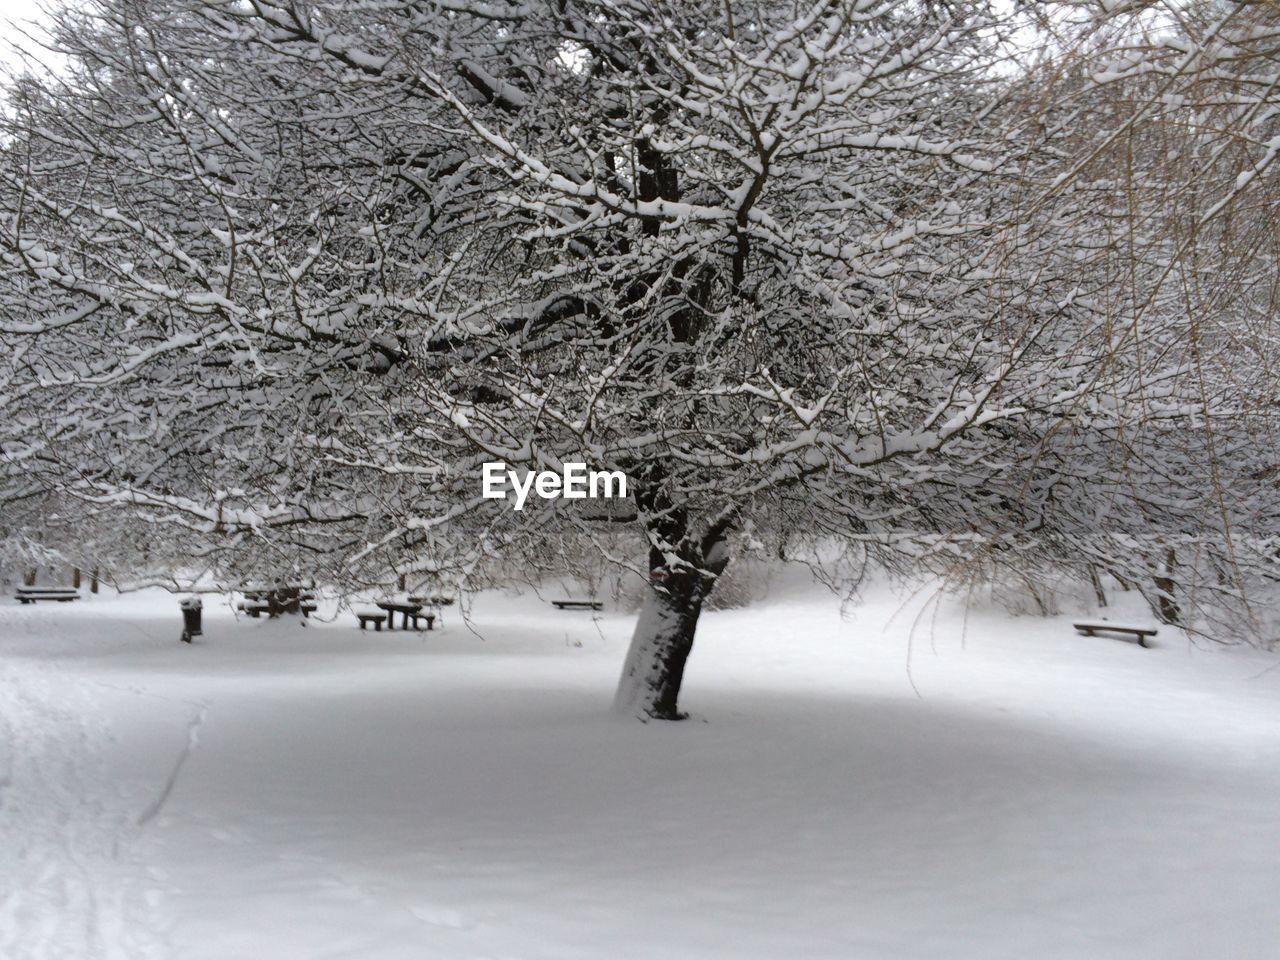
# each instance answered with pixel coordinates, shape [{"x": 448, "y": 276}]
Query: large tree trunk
[
  {"x": 649, "y": 687},
  {"x": 660, "y": 646},
  {"x": 654, "y": 670}
]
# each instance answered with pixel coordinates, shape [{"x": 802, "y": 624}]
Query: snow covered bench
[
  {"x": 377, "y": 619},
  {"x": 1140, "y": 633},
  {"x": 56, "y": 594},
  {"x": 577, "y": 604}
]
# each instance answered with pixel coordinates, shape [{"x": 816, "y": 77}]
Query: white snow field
[{"x": 991, "y": 787}]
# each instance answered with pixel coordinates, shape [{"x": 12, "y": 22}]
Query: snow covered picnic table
[
  {"x": 282, "y": 598},
  {"x": 283, "y": 590},
  {"x": 1140, "y": 632},
  {"x": 407, "y": 611},
  {"x": 255, "y": 608}
]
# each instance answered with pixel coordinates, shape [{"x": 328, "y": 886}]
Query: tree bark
[
  {"x": 1166, "y": 605},
  {"x": 1098, "y": 593},
  {"x": 660, "y": 647},
  {"x": 649, "y": 687},
  {"x": 683, "y": 568}
]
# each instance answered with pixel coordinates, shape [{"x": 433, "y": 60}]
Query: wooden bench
[
  {"x": 1090, "y": 627},
  {"x": 377, "y": 619},
  {"x": 254, "y": 608},
  {"x": 55, "y": 594},
  {"x": 577, "y": 604}
]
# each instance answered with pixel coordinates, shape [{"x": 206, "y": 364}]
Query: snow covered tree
[
  {"x": 1170, "y": 484},
  {"x": 288, "y": 273}
]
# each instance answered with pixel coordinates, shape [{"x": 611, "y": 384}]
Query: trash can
[{"x": 191, "y": 610}]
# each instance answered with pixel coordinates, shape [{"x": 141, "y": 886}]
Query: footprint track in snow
[{"x": 69, "y": 887}]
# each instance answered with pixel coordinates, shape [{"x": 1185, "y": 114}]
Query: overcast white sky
[{"x": 17, "y": 11}]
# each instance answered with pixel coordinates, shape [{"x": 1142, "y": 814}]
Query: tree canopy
[{"x": 955, "y": 283}]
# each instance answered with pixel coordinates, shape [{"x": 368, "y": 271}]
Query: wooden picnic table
[
  {"x": 407, "y": 611},
  {"x": 281, "y": 598}
]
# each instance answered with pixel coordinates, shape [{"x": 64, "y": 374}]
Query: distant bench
[
  {"x": 1090, "y": 627},
  {"x": 56, "y": 594},
  {"x": 577, "y": 604}
]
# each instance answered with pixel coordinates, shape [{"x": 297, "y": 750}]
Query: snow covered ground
[{"x": 988, "y": 787}]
